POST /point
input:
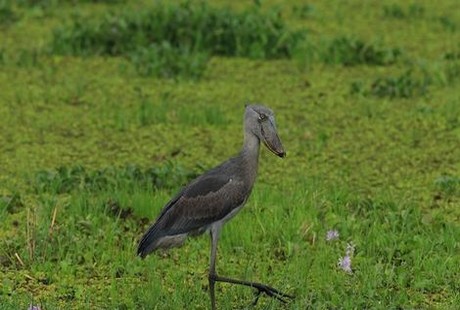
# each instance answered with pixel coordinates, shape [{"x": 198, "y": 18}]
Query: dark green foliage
[
  {"x": 7, "y": 15},
  {"x": 163, "y": 60},
  {"x": 21, "y": 57},
  {"x": 53, "y": 3},
  {"x": 37, "y": 3},
  {"x": 69, "y": 179},
  {"x": 394, "y": 11},
  {"x": 448, "y": 24},
  {"x": 350, "y": 52},
  {"x": 27, "y": 58},
  {"x": 452, "y": 73},
  {"x": 449, "y": 185},
  {"x": 184, "y": 26},
  {"x": 405, "y": 85},
  {"x": 455, "y": 55},
  {"x": 413, "y": 82},
  {"x": 358, "y": 87},
  {"x": 303, "y": 11},
  {"x": 11, "y": 204},
  {"x": 2, "y": 56},
  {"x": 347, "y": 51},
  {"x": 414, "y": 10},
  {"x": 163, "y": 39}
]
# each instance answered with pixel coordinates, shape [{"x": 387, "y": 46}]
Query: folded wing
[{"x": 205, "y": 201}]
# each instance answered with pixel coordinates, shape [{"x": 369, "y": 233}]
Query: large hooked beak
[{"x": 270, "y": 137}]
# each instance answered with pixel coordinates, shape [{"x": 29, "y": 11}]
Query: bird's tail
[
  {"x": 154, "y": 238},
  {"x": 148, "y": 242}
]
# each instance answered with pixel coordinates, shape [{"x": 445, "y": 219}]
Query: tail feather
[
  {"x": 148, "y": 242},
  {"x": 154, "y": 239}
]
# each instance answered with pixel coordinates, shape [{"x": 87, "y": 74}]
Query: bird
[{"x": 215, "y": 197}]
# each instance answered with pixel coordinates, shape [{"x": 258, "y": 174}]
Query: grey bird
[{"x": 216, "y": 196}]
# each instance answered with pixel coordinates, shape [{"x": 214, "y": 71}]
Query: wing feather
[{"x": 206, "y": 200}]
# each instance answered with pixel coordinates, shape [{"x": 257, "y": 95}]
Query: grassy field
[{"x": 109, "y": 107}]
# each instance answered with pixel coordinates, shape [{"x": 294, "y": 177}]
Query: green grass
[{"x": 92, "y": 147}]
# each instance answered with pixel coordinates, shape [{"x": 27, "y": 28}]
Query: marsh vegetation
[{"x": 108, "y": 107}]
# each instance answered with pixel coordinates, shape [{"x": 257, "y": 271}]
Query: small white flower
[
  {"x": 345, "y": 264},
  {"x": 332, "y": 235},
  {"x": 350, "y": 250}
]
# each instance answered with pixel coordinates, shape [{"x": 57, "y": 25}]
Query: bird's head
[{"x": 260, "y": 121}]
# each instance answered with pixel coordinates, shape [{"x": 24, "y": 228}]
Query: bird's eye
[{"x": 262, "y": 117}]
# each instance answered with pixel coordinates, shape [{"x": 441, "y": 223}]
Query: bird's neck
[
  {"x": 251, "y": 146},
  {"x": 250, "y": 156}
]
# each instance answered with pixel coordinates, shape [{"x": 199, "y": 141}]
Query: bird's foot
[
  {"x": 260, "y": 287},
  {"x": 271, "y": 292}
]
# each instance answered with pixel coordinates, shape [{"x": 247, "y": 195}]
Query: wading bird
[{"x": 215, "y": 197}]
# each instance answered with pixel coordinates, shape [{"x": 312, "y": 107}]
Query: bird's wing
[
  {"x": 206, "y": 200},
  {"x": 200, "y": 204}
]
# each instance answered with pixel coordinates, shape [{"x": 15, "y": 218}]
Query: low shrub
[
  {"x": 350, "y": 52},
  {"x": 161, "y": 39}
]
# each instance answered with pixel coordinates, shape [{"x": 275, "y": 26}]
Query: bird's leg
[
  {"x": 212, "y": 269},
  {"x": 214, "y": 277}
]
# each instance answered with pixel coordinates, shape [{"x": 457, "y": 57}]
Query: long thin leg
[
  {"x": 215, "y": 231},
  {"x": 213, "y": 277}
]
